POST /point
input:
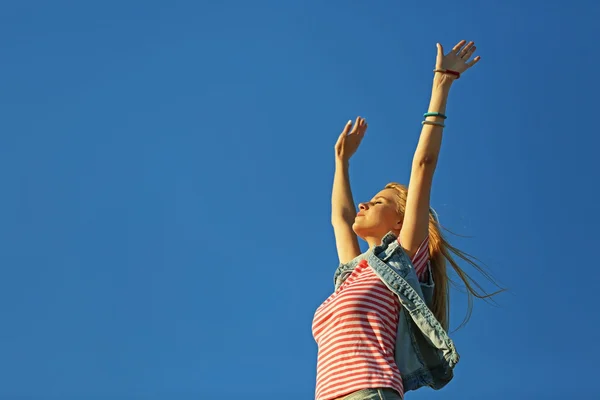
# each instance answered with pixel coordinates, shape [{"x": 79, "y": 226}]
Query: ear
[{"x": 398, "y": 225}]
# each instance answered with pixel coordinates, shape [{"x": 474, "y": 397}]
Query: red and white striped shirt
[{"x": 355, "y": 330}]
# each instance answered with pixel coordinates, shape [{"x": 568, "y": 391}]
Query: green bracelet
[{"x": 434, "y": 114}]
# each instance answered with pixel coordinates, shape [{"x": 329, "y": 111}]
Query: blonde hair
[{"x": 441, "y": 252}]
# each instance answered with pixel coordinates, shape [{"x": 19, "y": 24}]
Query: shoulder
[{"x": 421, "y": 257}]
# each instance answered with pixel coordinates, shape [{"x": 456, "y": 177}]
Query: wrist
[
  {"x": 443, "y": 82},
  {"x": 341, "y": 162}
]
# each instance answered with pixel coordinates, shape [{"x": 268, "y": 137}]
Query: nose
[{"x": 363, "y": 206}]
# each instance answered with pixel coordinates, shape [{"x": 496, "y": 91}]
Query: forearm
[
  {"x": 342, "y": 203},
  {"x": 430, "y": 141}
]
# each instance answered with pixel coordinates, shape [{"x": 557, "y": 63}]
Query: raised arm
[
  {"x": 343, "y": 211},
  {"x": 415, "y": 227}
]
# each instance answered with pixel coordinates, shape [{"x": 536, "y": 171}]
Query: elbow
[
  {"x": 425, "y": 161},
  {"x": 345, "y": 220}
]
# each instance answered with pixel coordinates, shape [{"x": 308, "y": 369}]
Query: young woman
[{"x": 383, "y": 331}]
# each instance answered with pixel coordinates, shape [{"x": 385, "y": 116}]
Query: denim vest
[{"x": 424, "y": 353}]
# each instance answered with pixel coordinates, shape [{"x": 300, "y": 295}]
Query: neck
[
  {"x": 375, "y": 239},
  {"x": 372, "y": 241}
]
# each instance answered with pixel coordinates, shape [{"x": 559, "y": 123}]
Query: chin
[{"x": 359, "y": 230}]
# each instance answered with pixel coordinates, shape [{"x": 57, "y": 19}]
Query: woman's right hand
[{"x": 350, "y": 139}]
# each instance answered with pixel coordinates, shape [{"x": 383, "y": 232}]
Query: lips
[{"x": 360, "y": 215}]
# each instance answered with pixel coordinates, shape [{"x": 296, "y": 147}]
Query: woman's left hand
[{"x": 458, "y": 59}]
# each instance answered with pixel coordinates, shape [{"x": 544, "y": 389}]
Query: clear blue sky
[{"x": 166, "y": 172}]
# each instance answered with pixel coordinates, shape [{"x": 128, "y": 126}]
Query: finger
[
  {"x": 347, "y": 127},
  {"x": 458, "y": 46},
  {"x": 440, "y": 56},
  {"x": 465, "y": 50},
  {"x": 475, "y": 61},
  {"x": 344, "y": 132},
  {"x": 363, "y": 126},
  {"x": 469, "y": 53},
  {"x": 356, "y": 125}
]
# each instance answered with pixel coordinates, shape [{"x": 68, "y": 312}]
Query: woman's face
[{"x": 378, "y": 216}]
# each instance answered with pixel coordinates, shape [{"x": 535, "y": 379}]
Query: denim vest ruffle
[{"x": 424, "y": 353}]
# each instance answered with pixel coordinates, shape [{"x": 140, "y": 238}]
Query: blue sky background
[{"x": 166, "y": 171}]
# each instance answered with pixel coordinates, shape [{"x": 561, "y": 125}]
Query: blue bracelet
[{"x": 434, "y": 114}]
